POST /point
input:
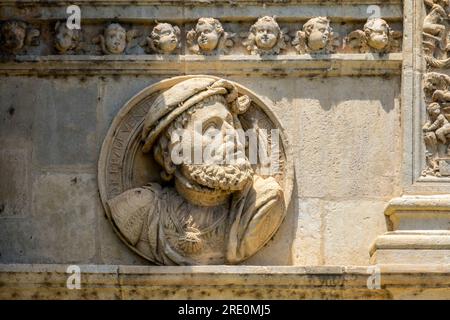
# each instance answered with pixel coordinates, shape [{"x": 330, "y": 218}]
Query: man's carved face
[
  {"x": 207, "y": 36},
  {"x": 216, "y": 170},
  {"x": 378, "y": 34},
  {"x": 168, "y": 40},
  {"x": 266, "y": 35},
  {"x": 115, "y": 39},
  {"x": 319, "y": 36}
]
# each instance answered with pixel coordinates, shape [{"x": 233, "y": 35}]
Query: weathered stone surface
[
  {"x": 63, "y": 224},
  {"x": 15, "y": 173},
  {"x": 244, "y": 282},
  {"x": 64, "y": 128}
]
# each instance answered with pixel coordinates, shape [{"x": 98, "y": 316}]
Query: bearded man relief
[{"x": 207, "y": 212}]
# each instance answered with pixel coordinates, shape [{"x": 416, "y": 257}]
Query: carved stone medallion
[{"x": 195, "y": 170}]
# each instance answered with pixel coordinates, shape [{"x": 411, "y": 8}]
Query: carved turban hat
[{"x": 182, "y": 96}]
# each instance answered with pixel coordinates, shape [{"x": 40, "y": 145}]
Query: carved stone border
[
  {"x": 24, "y": 281},
  {"x": 304, "y": 65}
]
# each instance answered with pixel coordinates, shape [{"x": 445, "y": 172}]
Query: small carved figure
[
  {"x": 115, "y": 39},
  {"x": 437, "y": 122},
  {"x": 435, "y": 86},
  {"x": 432, "y": 23},
  {"x": 437, "y": 128},
  {"x": 377, "y": 37},
  {"x": 66, "y": 40},
  {"x": 266, "y": 37},
  {"x": 14, "y": 35},
  {"x": 435, "y": 34},
  {"x": 317, "y": 35},
  {"x": 165, "y": 38},
  {"x": 209, "y": 37}
]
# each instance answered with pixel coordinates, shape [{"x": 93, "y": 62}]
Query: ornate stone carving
[
  {"x": 266, "y": 37},
  {"x": 165, "y": 39},
  {"x": 316, "y": 36},
  {"x": 115, "y": 39},
  {"x": 376, "y": 37},
  {"x": 15, "y": 35},
  {"x": 209, "y": 37},
  {"x": 66, "y": 40},
  {"x": 437, "y": 128},
  {"x": 435, "y": 34},
  {"x": 178, "y": 213}
]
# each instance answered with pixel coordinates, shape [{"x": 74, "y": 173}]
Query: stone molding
[
  {"x": 24, "y": 281},
  {"x": 305, "y": 65},
  {"x": 418, "y": 232}
]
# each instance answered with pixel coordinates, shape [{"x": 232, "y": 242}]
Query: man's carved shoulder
[
  {"x": 130, "y": 208},
  {"x": 266, "y": 189}
]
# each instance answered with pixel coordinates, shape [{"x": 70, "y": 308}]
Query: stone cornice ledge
[
  {"x": 188, "y": 2},
  {"x": 418, "y": 203},
  {"x": 25, "y": 281},
  {"x": 286, "y": 65}
]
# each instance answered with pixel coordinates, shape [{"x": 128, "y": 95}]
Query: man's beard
[{"x": 226, "y": 177}]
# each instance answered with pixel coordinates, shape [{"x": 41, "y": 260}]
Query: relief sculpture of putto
[
  {"x": 317, "y": 36},
  {"x": 266, "y": 37},
  {"x": 376, "y": 37},
  {"x": 164, "y": 39},
  {"x": 16, "y": 35},
  {"x": 212, "y": 211},
  {"x": 115, "y": 39},
  {"x": 436, "y": 130},
  {"x": 209, "y": 37},
  {"x": 67, "y": 40},
  {"x": 435, "y": 33}
]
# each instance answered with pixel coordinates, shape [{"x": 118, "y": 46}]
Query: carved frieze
[{"x": 205, "y": 36}]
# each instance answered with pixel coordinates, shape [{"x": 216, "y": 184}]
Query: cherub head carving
[
  {"x": 164, "y": 38},
  {"x": 377, "y": 36},
  {"x": 316, "y": 35},
  {"x": 377, "y": 33},
  {"x": 208, "y": 37},
  {"x": 265, "y": 37},
  {"x": 13, "y": 35},
  {"x": 66, "y": 39},
  {"x": 115, "y": 39}
]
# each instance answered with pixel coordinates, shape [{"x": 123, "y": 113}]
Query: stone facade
[{"x": 360, "y": 99}]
